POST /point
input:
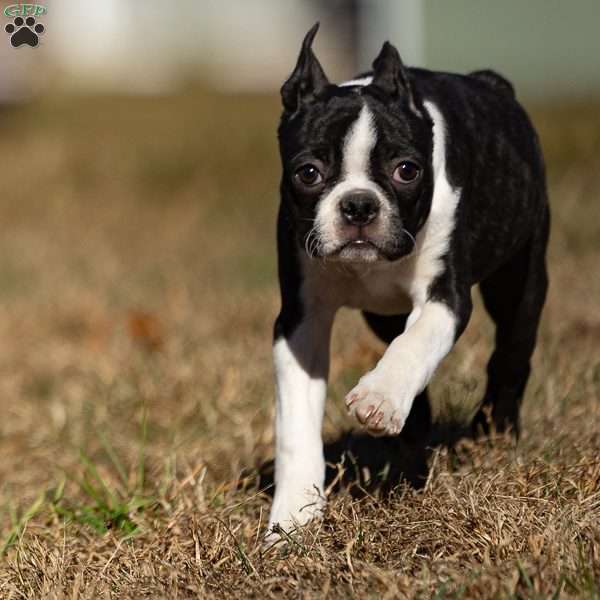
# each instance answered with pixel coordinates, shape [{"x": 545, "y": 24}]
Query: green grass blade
[{"x": 114, "y": 459}]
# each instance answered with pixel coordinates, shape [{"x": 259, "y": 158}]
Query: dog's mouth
[
  {"x": 359, "y": 249},
  {"x": 361, "y": 246},
  {"x": 365, "y": 249}
]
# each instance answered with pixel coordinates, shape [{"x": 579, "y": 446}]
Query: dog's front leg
[
  {"x": 301, "y": 358},
  {"x": 382, "y": 399}
]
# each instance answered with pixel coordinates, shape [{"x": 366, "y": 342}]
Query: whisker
[
  {"x": 312, "y": 243},
  {"x": 307, "y": 243},
  {"x": 412, "y": 239}
]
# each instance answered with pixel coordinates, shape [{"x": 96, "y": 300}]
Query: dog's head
[{"x": 357, "y": 176}]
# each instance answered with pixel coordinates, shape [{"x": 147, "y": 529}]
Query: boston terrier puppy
[{"x": 401, "y": 190}]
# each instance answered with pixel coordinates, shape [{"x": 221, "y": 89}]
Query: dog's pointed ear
[
  {"x": 390, "y": 75},
  {"x": 307, "y": 78}
]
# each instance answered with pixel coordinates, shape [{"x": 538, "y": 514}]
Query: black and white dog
[{"x": 400, "y": 190}]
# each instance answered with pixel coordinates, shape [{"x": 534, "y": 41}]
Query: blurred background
[
  {"x": 547, "y": 47},
  {"x": 137, "y": 216}
]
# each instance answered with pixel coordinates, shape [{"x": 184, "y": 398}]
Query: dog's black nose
[{"x": 359, "y": 207}]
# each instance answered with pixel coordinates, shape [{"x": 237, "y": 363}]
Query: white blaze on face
[
  {"x": 356, "y": 152},
  {"x": 358, "y": 143}
]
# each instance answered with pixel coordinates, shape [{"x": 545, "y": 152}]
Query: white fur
[
  {"x": 434, "y": 237},
  {"x": 399, "y": 286},
  {"x": 360, "y": 82},
  {"x": 301, "y": 365},
  {"x": 383, "y": 398},
  {"x": 358, "y": 144}
]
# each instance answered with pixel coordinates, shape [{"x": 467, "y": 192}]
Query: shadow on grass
[{"x": 365, "y": 464}]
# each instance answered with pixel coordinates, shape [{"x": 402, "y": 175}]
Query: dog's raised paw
[{"x": 375, "y": 410}]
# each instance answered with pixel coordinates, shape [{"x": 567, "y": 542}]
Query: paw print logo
[{"x": 24, "y": 31}]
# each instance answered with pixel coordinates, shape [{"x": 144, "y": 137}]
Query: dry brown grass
[{"x": 137, "y": 292}]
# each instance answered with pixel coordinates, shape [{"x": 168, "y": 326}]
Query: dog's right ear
[{"x": 308, "y": 78}]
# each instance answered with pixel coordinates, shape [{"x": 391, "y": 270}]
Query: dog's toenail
[
  {"x": 364, "y": 416},
  {"x": 378, "y": 417}
]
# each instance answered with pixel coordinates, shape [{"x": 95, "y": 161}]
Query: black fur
[{"x": 502, "y": 220}]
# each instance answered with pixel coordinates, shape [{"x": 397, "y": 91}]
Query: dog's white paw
[
  {"x": 293, "y": 506},
  {"x": 378, "y": 405}
]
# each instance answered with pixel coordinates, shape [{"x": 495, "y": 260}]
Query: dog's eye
[
  {"x": 406, "y": 172},
  {"x": 308, "y": 175}
]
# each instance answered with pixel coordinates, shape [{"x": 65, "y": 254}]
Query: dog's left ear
[
  {"x": 308, "y": 78},
  {"x": 391, "y": 77}
]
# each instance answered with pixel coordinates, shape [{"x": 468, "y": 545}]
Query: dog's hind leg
[
  {"x": 418, "y": 423},
  {"x": 514, "y": 297}
]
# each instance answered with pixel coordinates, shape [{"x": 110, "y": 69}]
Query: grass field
[{"x": 137, "y": 294}]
